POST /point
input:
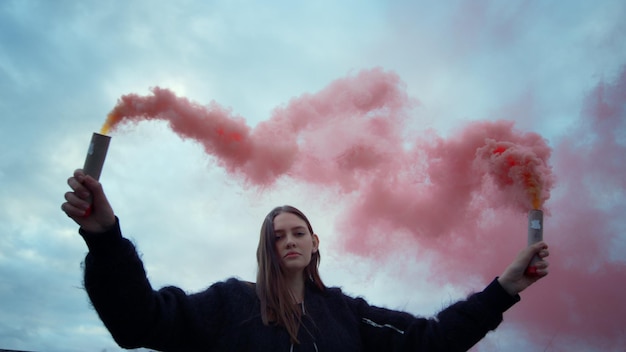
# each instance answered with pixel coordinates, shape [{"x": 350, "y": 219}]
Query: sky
[{"x": 402, "y": 129}]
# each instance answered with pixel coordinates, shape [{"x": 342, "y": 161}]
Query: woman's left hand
[{"x": 515, "y": 277}]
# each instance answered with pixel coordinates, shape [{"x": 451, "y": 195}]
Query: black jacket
[{"x": 226, "y": 316}]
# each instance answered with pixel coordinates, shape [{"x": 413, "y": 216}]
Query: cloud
[{"x": 64, "y": 65}]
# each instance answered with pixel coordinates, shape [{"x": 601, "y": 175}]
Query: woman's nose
[{"x": 290, "y": 241}]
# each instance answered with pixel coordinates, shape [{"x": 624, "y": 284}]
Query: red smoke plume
[
  {"x": 460, "y": 197},
  {"x": 582, "y": 299}
]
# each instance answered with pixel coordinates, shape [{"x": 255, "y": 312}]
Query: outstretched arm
[
  {"x": 116, "y": 282},
  {"x": 462, "y": 324}
]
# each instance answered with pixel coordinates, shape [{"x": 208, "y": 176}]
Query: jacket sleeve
[
  {"x": 456, "y": 328},
  {"x": 134, "y": 313}
]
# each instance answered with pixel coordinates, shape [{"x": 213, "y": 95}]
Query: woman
[{"x": 287, "y": 309}]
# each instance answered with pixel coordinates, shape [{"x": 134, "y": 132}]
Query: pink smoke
[
  {"x": 462, "y": 199},
  {"x": 583, "y": 298}
]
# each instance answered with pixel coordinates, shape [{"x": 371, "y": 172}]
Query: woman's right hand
[{"x": 87, "y": 204}]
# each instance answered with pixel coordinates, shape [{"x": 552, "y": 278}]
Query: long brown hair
[{"x": 277, "y": 304}]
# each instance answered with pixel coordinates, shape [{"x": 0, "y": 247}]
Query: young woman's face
[{"x": 294, "y": 242}]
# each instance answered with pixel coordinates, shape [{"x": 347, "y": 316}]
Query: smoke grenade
[
  {"x": 94, "y": 161},
  {"x": 535, "y": 234},
  {"x": 96, "y": 154}
]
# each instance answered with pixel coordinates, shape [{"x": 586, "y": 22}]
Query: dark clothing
[{"x": 226, "y": 316}]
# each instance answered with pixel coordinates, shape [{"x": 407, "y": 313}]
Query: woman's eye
[{"x": 300, "y": 233}]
